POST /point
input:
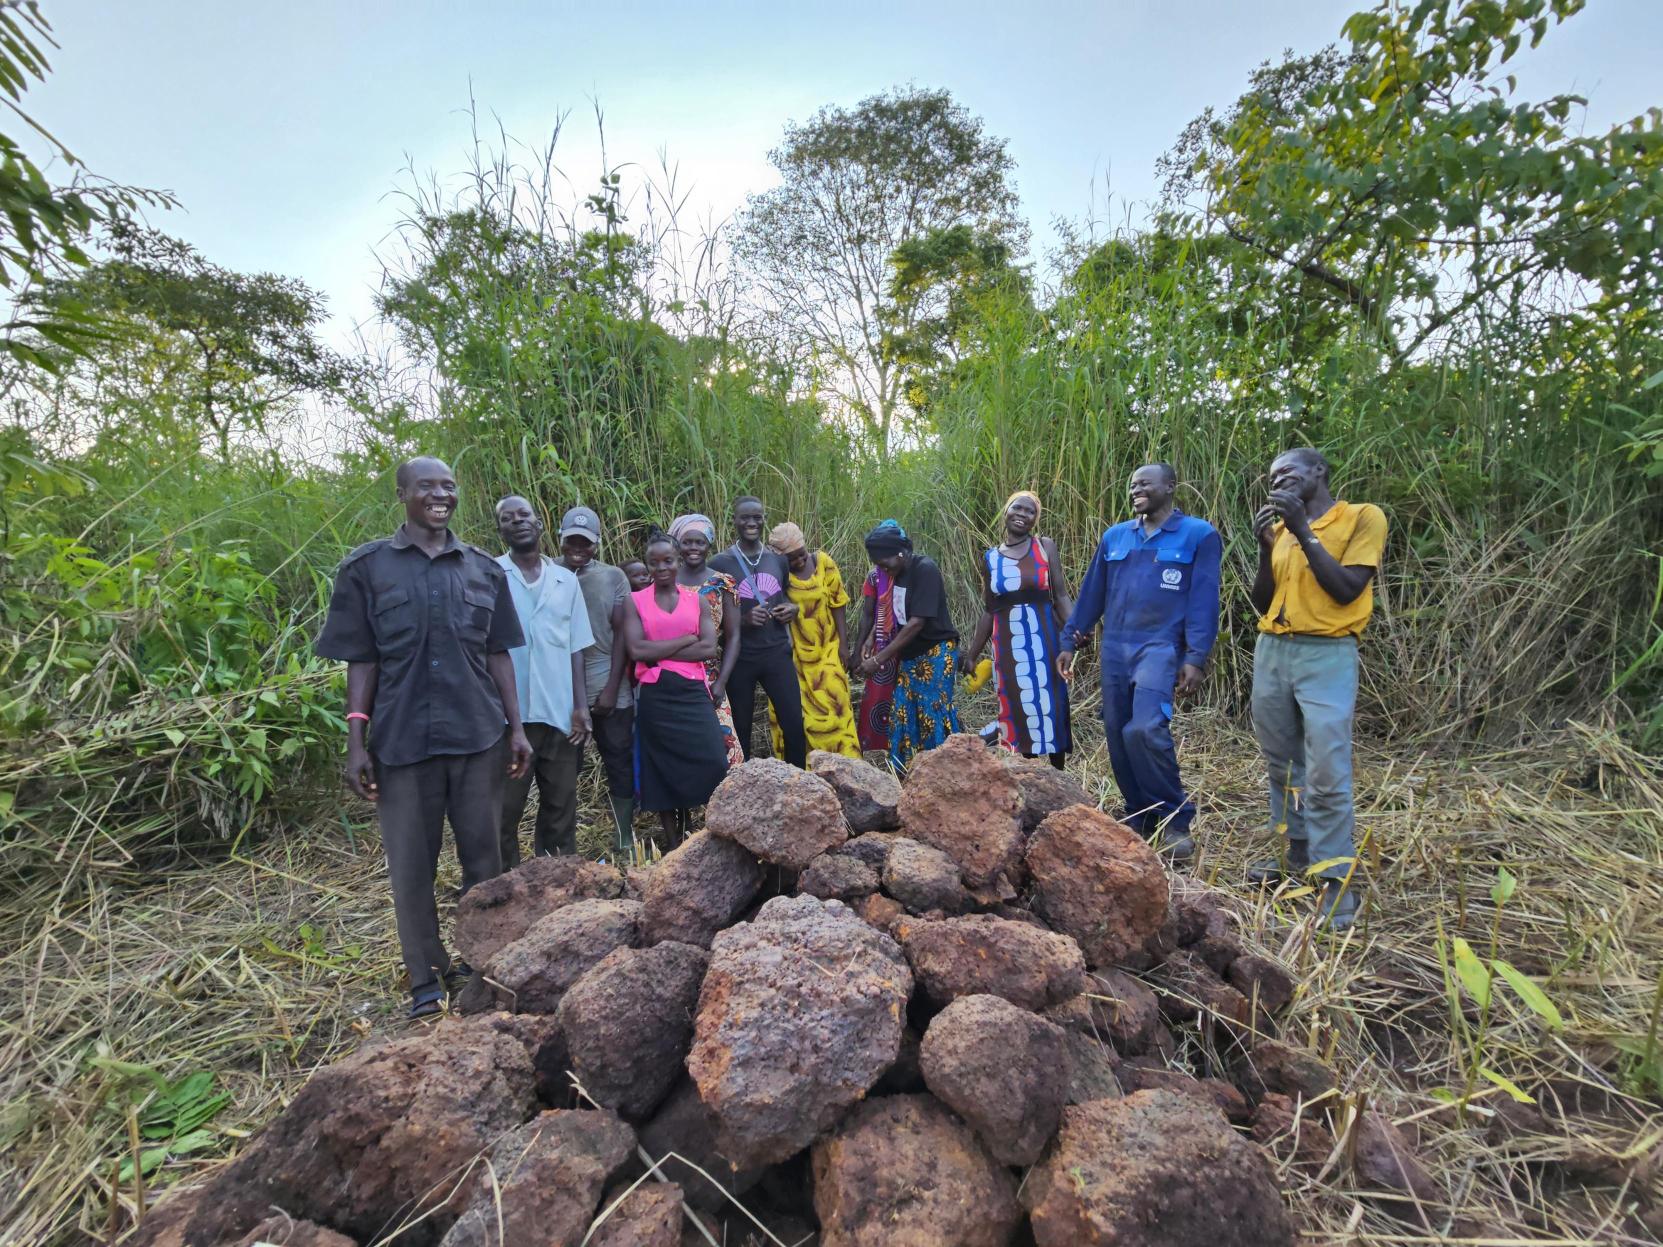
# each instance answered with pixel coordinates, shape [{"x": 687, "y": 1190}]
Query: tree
[
  {"x": 228, "y": 347},
  {"x": 473, "y": 278},
  {"x": 42, "y": 227},
  {"x": 1197, "y": 309},
  {"x": 858, "y": 184},
  {"x": 945, "y": 287},
  {"x": 1402, "y": 182},
  {"x": 527, "y": 323}
]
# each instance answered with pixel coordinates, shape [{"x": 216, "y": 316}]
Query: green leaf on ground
[
  {"x": 1508, "y": 1085},
  {"x": 1506, "y": 884},
  {"x": 1474, "y": 977},
  {"x": 1533, "y": 996}
]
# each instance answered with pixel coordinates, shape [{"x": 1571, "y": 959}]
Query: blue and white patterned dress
[{"x": 1033, "y": 698}]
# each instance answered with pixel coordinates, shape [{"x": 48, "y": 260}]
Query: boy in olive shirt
[{"x": 605, "y": 670}]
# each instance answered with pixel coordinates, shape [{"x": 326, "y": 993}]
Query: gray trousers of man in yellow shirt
[{"x": 1304, "y": 701}]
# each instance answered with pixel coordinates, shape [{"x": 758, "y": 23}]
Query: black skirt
[{"x": 679, "y": 754}]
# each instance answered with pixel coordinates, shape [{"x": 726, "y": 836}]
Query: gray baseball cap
[{"x": 581, "y": 522}]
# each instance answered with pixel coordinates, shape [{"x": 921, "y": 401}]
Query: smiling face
[
  {"x": 695, "y": 547},
  {"x": 797, "y": 561},
  {"x": 635, "y": 571},
  {"x": 428, "y": 493},
  {"x": 1020, "y": 518},
  {"x": 748, "y": 520},
  {"x": 893, "y": 564},
  {"x": 1150, "y": 489},
  {"x": 661, "y": 563},
  {"x": 1298, "y": 475},
  {"x": 518, "y": 525},
  {"x": 577, "y": 551}
]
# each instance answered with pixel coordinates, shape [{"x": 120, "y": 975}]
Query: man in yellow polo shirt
[{"x": 1314, "y": 592}]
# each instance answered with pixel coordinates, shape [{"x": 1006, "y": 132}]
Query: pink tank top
[{"x": 658, "y": 626}]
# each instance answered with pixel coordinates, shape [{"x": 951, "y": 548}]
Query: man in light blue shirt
[{"x": 548, "y": 672}]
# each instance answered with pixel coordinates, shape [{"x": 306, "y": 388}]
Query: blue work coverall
[{"x": 1157, "y": 598}]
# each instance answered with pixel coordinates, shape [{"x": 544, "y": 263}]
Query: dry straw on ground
[{"x": 260, "y": 966}]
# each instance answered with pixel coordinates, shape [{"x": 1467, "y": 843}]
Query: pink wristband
[{"x": 357, "y": 714}]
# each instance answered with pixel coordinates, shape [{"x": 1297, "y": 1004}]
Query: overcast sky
[{"x": 282, "y": 127}]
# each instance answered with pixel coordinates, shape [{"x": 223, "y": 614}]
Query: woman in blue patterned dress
[{"x": 1025, "y": 600}]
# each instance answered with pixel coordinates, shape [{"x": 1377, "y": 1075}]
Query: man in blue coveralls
[{"x": 1154, "y": 585}]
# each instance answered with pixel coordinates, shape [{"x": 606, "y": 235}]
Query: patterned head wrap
[
  {"x": 1030, "y": 495},
  {"x": 888, "y": 539},
  {"x": 692, "y": 523},
  {"x": 786, "y": 537}
]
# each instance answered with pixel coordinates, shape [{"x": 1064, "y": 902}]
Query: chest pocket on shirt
[
  {"x": 394, "y": 620},
  {"x": 1172, "y": 566},
  {"x": 476, "y": 618}
]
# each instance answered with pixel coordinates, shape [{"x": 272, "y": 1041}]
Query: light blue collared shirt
[{"x": 556, "y": 625}]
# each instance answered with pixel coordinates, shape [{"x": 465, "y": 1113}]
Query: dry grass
[
  {"x": 203, "y": 965},
  {"x": 197, "y": 965},
  {"x": 1578, "y": 818}
]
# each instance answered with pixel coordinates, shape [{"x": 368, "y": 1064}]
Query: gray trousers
[
  {"x": 414, "y": 802},
  {"x": 554, "y": 762},
  {"x": 1304, "y": 698}
]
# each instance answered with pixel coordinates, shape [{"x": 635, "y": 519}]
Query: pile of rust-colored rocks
[{"x": 844, "y": 1013}]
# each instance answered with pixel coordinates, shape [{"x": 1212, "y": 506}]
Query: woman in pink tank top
[{"x": 679, "y": 756}]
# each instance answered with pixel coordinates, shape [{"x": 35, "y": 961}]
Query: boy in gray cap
[{"x": 611, "y": 708}]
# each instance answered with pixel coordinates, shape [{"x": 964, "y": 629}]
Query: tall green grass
[
  {"x": 1521, "y": 540},
  {"x": 159, "y": 603},
  {"x": 554, "y": 373}
]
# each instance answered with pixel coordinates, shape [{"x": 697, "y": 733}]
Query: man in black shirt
[
  {"x": 760, "y": 577},
  {"x": 925, "y": 647},
  {"x": 424, "y": 624}
]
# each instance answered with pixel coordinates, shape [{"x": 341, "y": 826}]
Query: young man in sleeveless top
[{"x": 760, "y": 577}]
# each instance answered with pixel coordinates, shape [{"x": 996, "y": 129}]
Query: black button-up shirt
[{"x": 429, "y": 623}]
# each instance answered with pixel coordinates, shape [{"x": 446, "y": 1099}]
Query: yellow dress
[{"x": 828, "y": 714}]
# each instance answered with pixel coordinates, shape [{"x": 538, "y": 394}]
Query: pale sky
[{"x": 282, "y": 127}]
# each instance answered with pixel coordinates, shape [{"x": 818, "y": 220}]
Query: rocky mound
[{"x": 851, "y": 1011}]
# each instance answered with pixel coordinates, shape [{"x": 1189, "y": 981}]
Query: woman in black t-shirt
[{"x": 925, "y": 647}]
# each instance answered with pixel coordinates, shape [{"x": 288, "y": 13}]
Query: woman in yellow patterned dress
[{"x": 819, "y": 645}]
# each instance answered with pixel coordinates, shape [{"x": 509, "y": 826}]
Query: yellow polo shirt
[{"x": 1355, "y": 534}]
